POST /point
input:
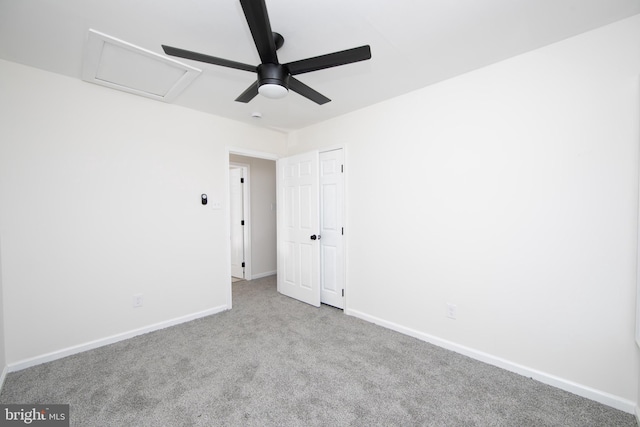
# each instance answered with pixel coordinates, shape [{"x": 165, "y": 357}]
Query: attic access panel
[{"x": 123, "y": 66}]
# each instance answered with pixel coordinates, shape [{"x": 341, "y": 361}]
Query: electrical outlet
[
  {"x": 138, "y": 300},
  {"x": 452, "y": 311}
]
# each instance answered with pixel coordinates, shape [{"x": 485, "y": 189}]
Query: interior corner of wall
[{"x": 292, "y": 139}]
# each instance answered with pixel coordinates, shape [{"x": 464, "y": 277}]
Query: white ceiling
[{"x": 414, "y": 43}]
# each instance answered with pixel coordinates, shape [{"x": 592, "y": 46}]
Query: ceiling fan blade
[
  {"x": 249, "y": 93},
  {"x": 187, "y": 54},
  {"x": 255, "y": 11},
  {"x": 329, "y": 60},
  {"x": 304, "y": 90}
]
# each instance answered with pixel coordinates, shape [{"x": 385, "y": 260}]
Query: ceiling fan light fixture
[
  {"x": 273, "y": 91},
  {"x": 273, "y": 81}
]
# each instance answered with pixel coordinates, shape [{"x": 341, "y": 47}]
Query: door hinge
[
  {"x": 242, "y": 222},
  {"x": 243, "y": 267},
  {"x": 342, "y": 168},
  {"x": 241, "y": 180},
  {"x": 343, "y": 292},
  {"x": 343, "y": 231}
]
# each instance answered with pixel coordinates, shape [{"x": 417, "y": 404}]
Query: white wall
[
  {"x": 100, "y": 200},
  {"x": 3, "y": 358},
  {"x": 263, "y": 218},
  {"x": 512, "y": 192}
]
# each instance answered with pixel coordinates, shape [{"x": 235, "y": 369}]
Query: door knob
[{"x": 314, "y": 237}]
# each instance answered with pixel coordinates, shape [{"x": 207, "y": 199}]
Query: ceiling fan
[{"x": 275, "y": 79}]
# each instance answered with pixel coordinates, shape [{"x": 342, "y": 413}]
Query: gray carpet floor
[{"x": 275, "y": 361}]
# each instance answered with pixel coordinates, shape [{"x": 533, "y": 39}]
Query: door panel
[
  {"x": 307, "y": 220},
  {"x": 298, "y": 255},
  {"x": 329, "y": 214},
  {"x": 305, "y": 267},
  {"x": 329, "y": 282},
  {"x": 289, "y": 251}
]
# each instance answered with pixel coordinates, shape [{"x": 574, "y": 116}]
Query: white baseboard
[
  {"x": 561, "y": 383},
  {"x": 3, "y": 376},
  {"x": 261, "y": 275},
  {"x": 59, "y": 354}
]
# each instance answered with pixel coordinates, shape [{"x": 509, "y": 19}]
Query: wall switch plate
[
  {"x": 138, "y": 300},
  {"x": 452, "y": 311}
]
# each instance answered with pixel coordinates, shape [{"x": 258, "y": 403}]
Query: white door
[
  {"x": 298, "y": 228},
  {"x": 236, "y": 179},
  {"x": 331, "y": 243}
]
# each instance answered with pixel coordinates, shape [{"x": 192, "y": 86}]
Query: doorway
[{"x": 258, "y": 185}]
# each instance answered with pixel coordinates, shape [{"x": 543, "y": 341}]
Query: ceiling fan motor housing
[{"x": 275, "y": 74}]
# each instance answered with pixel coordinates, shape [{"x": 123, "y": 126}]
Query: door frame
[
  {"x": 246, "y": 214},
  {"x": 271, "y": 156},
  {"x": 227, "y": 200}
]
